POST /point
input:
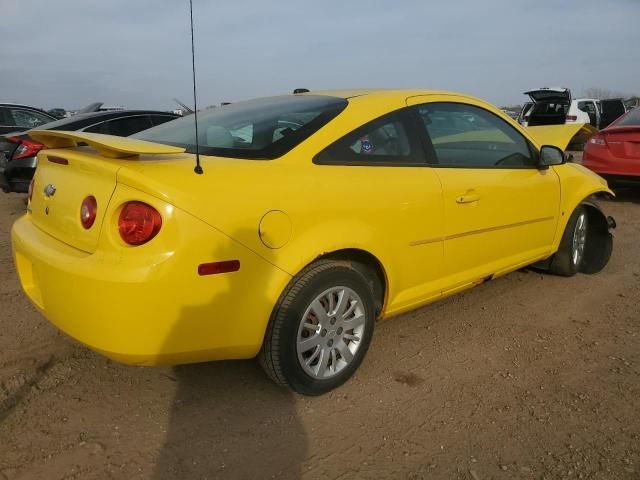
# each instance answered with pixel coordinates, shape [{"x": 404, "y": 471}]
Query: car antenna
[
  {"x": 186, "y": 108},
  {"x": 198, "y": 168}
]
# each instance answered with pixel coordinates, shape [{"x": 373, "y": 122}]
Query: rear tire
[
  {"x": 569, "y": 258},
  {"x": 321, "y": 328}
]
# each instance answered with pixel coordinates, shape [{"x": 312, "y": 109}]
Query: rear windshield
[
  {"x": 632, "y": 118},
  {"x": 264, "y": 128}
]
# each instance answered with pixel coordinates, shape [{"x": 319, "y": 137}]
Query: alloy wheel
[
  {"x": 330, "y": 332},
  {"x": 579, "y": 239}
]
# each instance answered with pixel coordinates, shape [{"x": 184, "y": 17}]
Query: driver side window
[{"x": 471, "y": 137}]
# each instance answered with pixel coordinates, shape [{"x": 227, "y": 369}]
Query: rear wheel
[
  {"x": 321, "y": 329},
  {"x": 569, "y": 258}
]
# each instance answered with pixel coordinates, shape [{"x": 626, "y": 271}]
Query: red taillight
[
  {"x": 218, "y": 267},
  {"x": 30, "y": 191},
  {"x": 88, "y": 211},
  {"x": 571, "y": 118},
  {"x": 26, "y": 148},
  {"x": 597, "y": 139},
  {"x": 138, "y": 223}
]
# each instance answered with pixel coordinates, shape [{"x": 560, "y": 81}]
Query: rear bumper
[
  {"x": 15, "y": 175},
  {"x": 601, "y": 161},
  {"x": 156, "y": 310}
]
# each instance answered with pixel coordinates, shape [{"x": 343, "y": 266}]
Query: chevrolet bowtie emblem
[{"x": 50, "y": 190}]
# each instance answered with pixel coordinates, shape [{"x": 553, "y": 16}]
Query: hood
[
  {"x": 550, "y": 94},
  {"x": 562, "y": 136}
]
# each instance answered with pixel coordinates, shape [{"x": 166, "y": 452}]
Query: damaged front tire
[{"x": 586, "y": 244}]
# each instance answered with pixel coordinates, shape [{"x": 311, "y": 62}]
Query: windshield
[
  {"x": 632, "y": 118},
  {"x": 264, "y": 128}
]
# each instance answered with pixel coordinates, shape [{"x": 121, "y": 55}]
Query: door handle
[{"x": 468, "y": 197}]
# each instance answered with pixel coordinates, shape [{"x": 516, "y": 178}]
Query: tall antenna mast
[{"x": 198, "y": 168}]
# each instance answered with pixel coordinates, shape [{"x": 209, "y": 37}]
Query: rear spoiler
[
  {"x": 562, "y": 136},
  {"x": 106, "y": 145}
]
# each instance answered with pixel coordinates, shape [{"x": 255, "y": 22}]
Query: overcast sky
[{"x": 68, "y": 53}]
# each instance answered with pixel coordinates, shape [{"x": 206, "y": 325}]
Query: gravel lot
[{"x": 529, "y": 376}]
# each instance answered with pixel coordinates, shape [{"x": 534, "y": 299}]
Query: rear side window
[
  {"x": 588, "y": 107},
  {"x": 264, "y": 128},
  {"x": 468, "y": 136},
  {"x": 123, "y": 127},
  {"x": 29, "y": 118},
  {"x": 5, "y": 119},
  {"x": 388, "y": 140},
  {"x": 160, "y": 119}
]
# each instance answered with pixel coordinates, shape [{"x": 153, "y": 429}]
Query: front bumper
[{"x": 151, "y": 309}]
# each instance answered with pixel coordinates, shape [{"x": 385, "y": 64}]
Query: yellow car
[{"x": 316, "y": 214}]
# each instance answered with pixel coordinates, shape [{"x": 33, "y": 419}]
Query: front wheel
[
  {"x": 569, "y": 258},
  {"x": 321, "y": 329}
]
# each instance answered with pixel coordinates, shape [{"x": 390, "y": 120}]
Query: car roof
[
  {"x": 399, "y": 93},
  {"x": 13, "y": 104},
  {"x": 21, "y": 105}
]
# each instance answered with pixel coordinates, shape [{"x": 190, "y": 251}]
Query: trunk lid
[
  {"x": 66, "y": 176},
  {"x": 58, "y": 192},
  {"x": 550, "y": 94},
  {"x": 623, "y": 142}
]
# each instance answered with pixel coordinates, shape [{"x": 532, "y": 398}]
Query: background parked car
[
  {"x": 18, "y": 151},
  {"x": 601, "y": 112},
  {"x": 22, "y": 117},
  {"x": 58, "y": 112},
  {"x": 614, "y": 152},
  {"x": 554, "y": 106},
  {"x": 525, "y": 108}
]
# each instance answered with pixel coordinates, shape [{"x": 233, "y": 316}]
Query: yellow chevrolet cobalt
[{"x": 316, "y": 214}]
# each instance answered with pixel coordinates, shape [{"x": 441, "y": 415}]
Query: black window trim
[
  {"x": 125, "y": 117},
  {"x": 408, "y": 122},
  {"x": 430, "y": 149}
]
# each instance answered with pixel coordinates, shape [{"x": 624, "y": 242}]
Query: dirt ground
[{"x": 529, "y": 376}]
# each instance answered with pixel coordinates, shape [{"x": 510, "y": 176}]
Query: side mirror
[{"x": 550, "y": 155}]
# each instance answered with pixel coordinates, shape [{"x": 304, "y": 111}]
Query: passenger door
[
  {"x": 611, "y": 111},
  {"x": 500, "y": 211},
  {"x": 393, "y": 200}
]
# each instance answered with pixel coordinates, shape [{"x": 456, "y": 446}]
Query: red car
[{"x": 614, "y": 152}]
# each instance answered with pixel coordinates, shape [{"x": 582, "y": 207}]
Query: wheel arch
[
  {"x": 599, "y": 238},
  {"x": 369, "y": 264}
]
